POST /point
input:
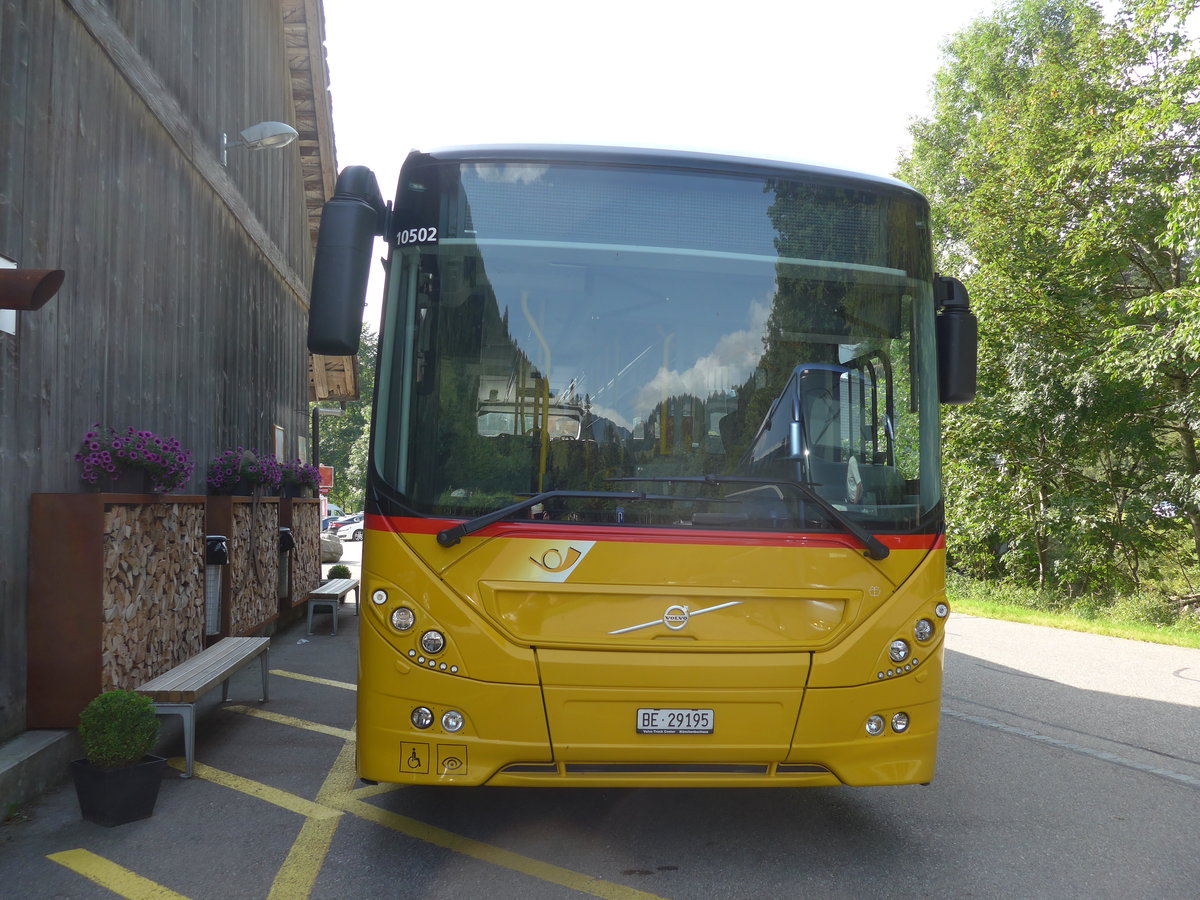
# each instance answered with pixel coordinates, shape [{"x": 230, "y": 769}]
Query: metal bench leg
[
  {"x": 187, "y": 712},
  {"x": 264, "y": 661},
  {"x": 331, "y": 605}
]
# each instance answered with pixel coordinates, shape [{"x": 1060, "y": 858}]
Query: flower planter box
[{"x": 116, "y": 596}]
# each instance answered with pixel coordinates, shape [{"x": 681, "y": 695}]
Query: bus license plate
[{"x": 674, "y": 721}]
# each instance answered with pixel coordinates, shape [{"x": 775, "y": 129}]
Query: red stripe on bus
[{"x": 644, "y": 535}]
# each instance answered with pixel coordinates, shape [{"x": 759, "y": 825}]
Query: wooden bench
[
  {"x": 176, "y": 692},
  {"x": 329, "y": 595}
]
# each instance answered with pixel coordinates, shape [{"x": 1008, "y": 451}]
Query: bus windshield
[{"x": 659, "y": 346}]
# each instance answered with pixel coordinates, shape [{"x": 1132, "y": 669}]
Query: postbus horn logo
[{"x": 554, "y": 561}]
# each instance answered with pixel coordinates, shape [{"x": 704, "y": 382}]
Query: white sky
[{"x": 829, "y": 82}]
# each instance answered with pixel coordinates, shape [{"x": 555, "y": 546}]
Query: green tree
[
  {"x": 1057, "y": 160},
  {"x": 345, "y": 439}
]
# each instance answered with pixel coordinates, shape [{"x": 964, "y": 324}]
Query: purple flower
[{"x": 106, "y": 453}]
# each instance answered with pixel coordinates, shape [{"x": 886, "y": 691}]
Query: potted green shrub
[
  {"x": 339, "y": 571},
  {"x": 117, "y": 780}
]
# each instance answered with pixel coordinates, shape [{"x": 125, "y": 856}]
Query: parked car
[
  {"x": 332, "y": 523},
  {"x": 331, "y": 548},
  {"x": 351, "y": 530}
]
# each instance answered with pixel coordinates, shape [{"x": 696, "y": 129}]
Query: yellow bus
[{"x": 728, "y": 567}]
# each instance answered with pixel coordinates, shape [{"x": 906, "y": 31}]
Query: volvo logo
[{"x": 677, "y": 616}]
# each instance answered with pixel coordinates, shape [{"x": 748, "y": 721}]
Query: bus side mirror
[
  {"x": 957, "y": 341},
  {"x": 349, "y": 223}
]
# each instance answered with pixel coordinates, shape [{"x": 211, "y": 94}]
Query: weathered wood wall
[{"x": 184, "y": 306}]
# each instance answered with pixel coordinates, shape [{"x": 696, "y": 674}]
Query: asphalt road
[{"x": 1069, "y": 766}]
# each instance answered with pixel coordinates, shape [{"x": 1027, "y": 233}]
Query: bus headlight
[
  {"x": 899, "y": 650},
  {"x": 923, "y": 630},
  {"x": 900, "y": 722},
  {"x": 453, "y": 721},
  {"x": 379, "y": 597},
  {"x": 403, "y": 618},
  {"x": 942, "y": 610},
  {"x": 422, "y": 717},
  {"x": 433, "y": 642},
  {"x": 875, "y": 725}
]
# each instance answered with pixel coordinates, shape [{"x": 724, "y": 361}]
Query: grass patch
[{"x": 1149, "y": 616}]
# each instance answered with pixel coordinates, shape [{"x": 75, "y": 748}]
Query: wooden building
[{"x": 183, "y": 309}]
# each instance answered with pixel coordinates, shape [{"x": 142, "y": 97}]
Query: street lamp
[{"x": 263, "y": 136}]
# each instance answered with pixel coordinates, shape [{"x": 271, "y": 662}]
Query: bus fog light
[
  {"x": 875, "y": 725},
  {"x": 433, "y": 642},
  {"x": 899, "y": 650},
  {"x": 941, "y": 610},
  {"x": 403, "y": 619},
  {"x": 379, "y": 597},
  {"x": 900, "y": 722},
  {"x": 453, "y": 721},
  {"x": 923, "y": 630},
  {"x": 422, "y": 717}
]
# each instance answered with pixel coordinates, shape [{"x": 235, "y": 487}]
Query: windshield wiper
[
  {"x": 876, "y": 549},
  {"x": 456, "y": 533}
]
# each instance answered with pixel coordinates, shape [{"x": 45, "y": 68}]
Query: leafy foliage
[
  {"x": 241, "y": 466},
  {"x": 345, "y": 440},
  {"x": 1059, "y": 161},
  {"x": 117, "y": 729},
  {"x": 300, "y": 474},
  {"x": 107, "y": 454}
]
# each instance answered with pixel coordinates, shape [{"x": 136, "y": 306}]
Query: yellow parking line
[
  {"x": 261, "y": 791},
  {"x": 487, "y": 853},
  {"x": 342, "y": 775},
  {"x": 117, "y": 879},
  {"x": 373, "y": 790},
  {"x": 298, "y": 874},
  {"x": 294, "y": 722},
  {"x": 314, "y": 680}
]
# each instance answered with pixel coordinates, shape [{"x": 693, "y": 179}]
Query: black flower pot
[{"x": 116, "y": 796}]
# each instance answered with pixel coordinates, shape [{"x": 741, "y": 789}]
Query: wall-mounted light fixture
[
  {"x": 263, "y": 136},
  {"x": 24, "y": 290}
]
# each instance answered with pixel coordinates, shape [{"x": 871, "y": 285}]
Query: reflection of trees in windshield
[{"x": 547, "y": 366}]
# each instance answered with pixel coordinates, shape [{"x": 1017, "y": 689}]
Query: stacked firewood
[
  {"x": 306, "y": 558},
  {"x": 253, "y": 566},
  {"x": 153, "y": 606}
]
